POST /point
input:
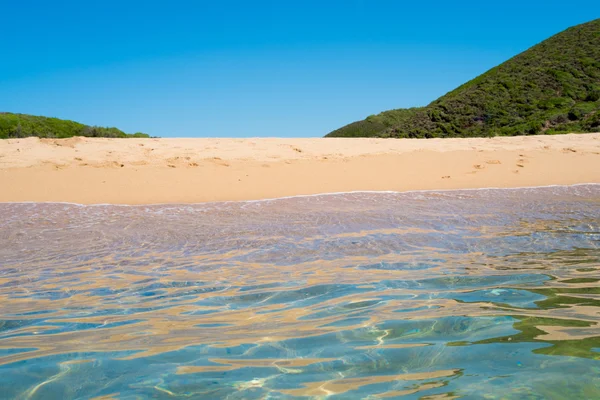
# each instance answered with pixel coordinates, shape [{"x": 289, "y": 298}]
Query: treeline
[{"x": 23, "y": 125}]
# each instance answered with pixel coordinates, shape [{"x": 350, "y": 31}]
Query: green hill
[
  {"x": 554, "y": 87},
  {"x": 22, "y": 125}
]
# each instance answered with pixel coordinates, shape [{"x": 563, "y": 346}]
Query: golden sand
[{"x": 145, "y": 171}]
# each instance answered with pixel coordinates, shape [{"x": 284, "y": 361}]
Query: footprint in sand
[
  {"x": 522, "y": 161},
  {"x": 112, "y": 164},
  {"x": 569, "y": 150},
  {"x": 493, "y": 162},
  {"x": 478, "y": 166},
  {"x": 219, "y": 161},
  {"x": 446, "y": 177}
]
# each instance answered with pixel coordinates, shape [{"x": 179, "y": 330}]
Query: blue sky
[{"x": 255, "y": 68}]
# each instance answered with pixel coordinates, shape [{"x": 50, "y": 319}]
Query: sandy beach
[{"x": 148, "y": 171}]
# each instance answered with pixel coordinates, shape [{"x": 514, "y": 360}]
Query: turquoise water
[{"x": 432, "y": 295}]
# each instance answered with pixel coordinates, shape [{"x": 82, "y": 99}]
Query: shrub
[
  {"x": 593, "y": 95},
  {"x": 22, "y": 125}
]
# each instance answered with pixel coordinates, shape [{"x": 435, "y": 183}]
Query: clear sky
[{"x": 288, "y": 68}]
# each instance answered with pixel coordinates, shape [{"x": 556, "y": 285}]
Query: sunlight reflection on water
[{"x": 358, "y": 295}]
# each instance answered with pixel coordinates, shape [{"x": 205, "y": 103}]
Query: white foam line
[{"x": 302, "y": 196}]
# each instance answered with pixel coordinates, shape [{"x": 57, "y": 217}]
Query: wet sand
[{"x": 147, "y": 171}]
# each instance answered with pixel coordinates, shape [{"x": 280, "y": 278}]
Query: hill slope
[
  {"x": 22, "y": 125},
  {"x": 554, "y": 87}
]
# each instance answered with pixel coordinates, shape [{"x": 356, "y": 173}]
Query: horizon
[{"x": 260, "y": 70}]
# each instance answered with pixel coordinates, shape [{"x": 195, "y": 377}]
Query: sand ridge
[{"x": 144, "y": 171}]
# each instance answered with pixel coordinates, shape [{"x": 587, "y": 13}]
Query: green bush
[
  {"x": 23, "y": 125},
  {"x": 593, "y": 95}
]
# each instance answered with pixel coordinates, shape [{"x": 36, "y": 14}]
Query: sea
[{"x": 464, "y": 294}]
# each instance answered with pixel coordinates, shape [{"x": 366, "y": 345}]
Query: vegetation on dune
[
  {"x": 554, "y": 87},
  {"x": 22, "y": 125}
]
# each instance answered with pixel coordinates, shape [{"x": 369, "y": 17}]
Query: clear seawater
[{"x": 481, "y": 294}]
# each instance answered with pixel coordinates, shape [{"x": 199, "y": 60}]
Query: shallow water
[{"x": 463, "y": 294}]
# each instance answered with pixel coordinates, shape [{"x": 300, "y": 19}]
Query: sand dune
[{"x": 143, "y": 171}]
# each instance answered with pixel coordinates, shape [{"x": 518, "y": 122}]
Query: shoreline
[
  {"x": 189, "y": 171},
  {"x": 303, "y": 195}
]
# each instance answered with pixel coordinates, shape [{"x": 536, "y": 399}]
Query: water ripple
[{"x": 359, "y": 295}]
